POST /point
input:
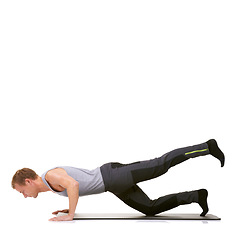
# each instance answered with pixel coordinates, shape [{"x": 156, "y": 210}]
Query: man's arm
[
  {"x": 59, "y": 178},
  {"x": 73, "y": 195}
]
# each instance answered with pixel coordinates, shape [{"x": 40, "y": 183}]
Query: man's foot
[
  {"x": 216, "y": 151},
  {"x": 202, "y": 201}
]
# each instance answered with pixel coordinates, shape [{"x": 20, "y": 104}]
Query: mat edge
[{"x": 166, "y": 217}]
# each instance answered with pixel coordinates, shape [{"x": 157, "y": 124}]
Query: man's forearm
[{"x": 73, "y": 196}]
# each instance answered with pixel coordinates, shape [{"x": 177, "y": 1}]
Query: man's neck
[{"x": 42, "y": 187}]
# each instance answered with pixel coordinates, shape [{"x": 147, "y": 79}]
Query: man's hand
[{"x": 62, "y": 218}]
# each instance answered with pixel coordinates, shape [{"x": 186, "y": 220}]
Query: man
[{"x": 120, "y": 179}]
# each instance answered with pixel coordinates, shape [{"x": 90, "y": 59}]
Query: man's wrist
[{"x": 71, "y": 214}]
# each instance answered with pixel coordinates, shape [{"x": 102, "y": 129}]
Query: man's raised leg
[{"x": 150, "y": 169}]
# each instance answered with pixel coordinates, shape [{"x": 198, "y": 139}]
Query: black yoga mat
[{"x": 131, "y": 216}]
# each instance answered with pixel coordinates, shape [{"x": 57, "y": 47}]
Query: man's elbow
[
  {"x": 72, "y": 186},
  {"x": 75, "y": 184}
]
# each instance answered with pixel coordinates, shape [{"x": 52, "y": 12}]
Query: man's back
[{"x": 90, "y": 181}]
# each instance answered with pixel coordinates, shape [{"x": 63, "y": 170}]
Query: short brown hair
[{"x": 22, "y": 174}]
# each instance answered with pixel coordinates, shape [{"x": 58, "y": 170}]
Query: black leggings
[{"x": 122, "y": 179}]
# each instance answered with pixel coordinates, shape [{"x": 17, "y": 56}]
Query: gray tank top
[{"x": 90, "y": 181}]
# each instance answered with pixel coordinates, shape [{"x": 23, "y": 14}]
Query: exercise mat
[{"x": 135, "y": 216}]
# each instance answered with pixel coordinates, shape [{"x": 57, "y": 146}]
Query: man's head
[{"x": 25, "y": 182}]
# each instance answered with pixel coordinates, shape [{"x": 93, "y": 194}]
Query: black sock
[
  {"x": 216, "y": 151},
  {"x": 202, "y": 200}
]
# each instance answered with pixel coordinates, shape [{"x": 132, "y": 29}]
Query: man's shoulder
[{"x": 55, "y": 173}]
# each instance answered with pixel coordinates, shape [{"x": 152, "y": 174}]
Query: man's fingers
[
  {"x": 62, "y": 218},
  {"x": 58, "y": 211}
]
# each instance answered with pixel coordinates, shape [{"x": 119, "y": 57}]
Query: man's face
[{"x": 28, "y": 190}]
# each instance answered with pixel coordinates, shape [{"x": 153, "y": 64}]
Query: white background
[{"x": 83, "y": 83}]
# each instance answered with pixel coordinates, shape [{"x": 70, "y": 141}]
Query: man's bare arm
[
  {"x": 73, "y": 195},
  {"x": 59, "y": 178}
]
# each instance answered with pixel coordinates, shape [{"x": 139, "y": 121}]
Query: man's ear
[{"x": 28, "y": 181}]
